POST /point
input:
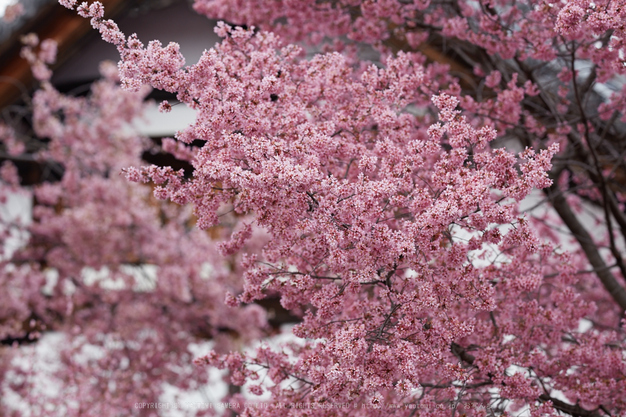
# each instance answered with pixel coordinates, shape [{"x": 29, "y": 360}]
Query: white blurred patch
[
  {"x": 156, "y": 124},
  {"x": 14, "y": 214}
]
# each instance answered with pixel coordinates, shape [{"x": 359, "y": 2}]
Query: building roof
[{"x": 50, "y": 20}]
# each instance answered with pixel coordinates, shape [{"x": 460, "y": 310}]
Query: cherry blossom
[{"x": 355, "y": 160}]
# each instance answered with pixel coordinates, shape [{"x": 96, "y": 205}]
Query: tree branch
[
  {"x": 586, "y": 243},
  {"x": 573, "y": 410}
]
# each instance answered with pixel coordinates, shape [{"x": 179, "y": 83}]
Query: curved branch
[
  {"x": 572, "y": 410},
  {"x": 588, "y": 246}
]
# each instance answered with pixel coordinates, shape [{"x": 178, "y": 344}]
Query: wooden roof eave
[{"x": 53, "y": 21}]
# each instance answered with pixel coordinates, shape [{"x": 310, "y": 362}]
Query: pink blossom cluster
[
  {"x": 374, "y": 199},
  {"x": 13, "y": 12},
  {"x": 113, "y": 270}
]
